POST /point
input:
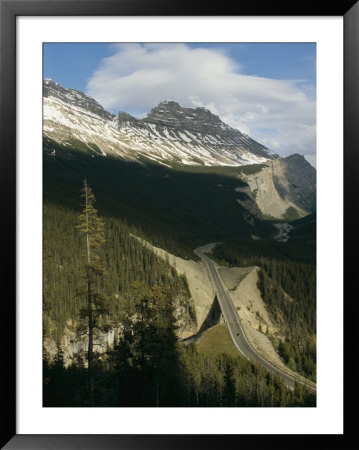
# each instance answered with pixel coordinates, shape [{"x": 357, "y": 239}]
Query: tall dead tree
[{"x": 93, "y": 229}]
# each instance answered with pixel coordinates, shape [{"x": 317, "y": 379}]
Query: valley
[{"x": 164, "y": 186}]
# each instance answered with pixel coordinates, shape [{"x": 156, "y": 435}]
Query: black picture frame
[{"x": 9, "y": 10}]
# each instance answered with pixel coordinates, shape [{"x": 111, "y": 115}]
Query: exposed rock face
[
  {"x": 265, "y": 194},
  {"x": 199, "y": 284},
  {"x": 169, "y": 134},
  {"x": 282, "y": 188},
  {"x": 75, "y": 98},
  {"x": 169, "y": 113},
  {"x": 71, "y": 345},
  {"x": 295, "y": 180},
  {"x": 242, "y": 285},
  {"x": 202, "y": 122}
]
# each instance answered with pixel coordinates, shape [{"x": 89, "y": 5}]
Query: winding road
[{"x": 234, "y": 324}]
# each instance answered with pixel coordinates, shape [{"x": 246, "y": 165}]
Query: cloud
[{"x": 276, "y": 113}]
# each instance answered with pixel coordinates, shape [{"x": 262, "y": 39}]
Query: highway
[{"x": 234, "y": 324}]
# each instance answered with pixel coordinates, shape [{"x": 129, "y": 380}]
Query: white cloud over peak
[{"x": 276, "y": 113}]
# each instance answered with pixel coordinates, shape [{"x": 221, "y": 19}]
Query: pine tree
[{"x": 93, "y": 229}]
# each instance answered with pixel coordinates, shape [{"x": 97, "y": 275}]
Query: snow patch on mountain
[{"x": 169, "y": 134}]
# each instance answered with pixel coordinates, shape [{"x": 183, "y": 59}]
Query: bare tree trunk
[
  {"x": 90, "y": 343},
  {"x": 93, "y": 228},
  {"x": 89, "y": 302}
]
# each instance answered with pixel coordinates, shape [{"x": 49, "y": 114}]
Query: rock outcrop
[{"x": 282, "y": 189}]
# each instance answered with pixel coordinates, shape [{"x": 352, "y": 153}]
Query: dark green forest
[
  {"x": 194, "y": 379},
  {"x": 129, "y": 291},
  {"x": 177, "y": 209}
]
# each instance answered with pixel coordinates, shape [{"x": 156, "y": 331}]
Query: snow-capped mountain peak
[
  {"x": 169, "y": 134},
  {"x": 74, "y": 97}
]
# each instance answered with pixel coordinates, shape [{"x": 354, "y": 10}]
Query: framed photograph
[{"x": 174, "y": 237}]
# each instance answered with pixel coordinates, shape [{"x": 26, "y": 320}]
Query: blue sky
[
  {"x": 72, "y": 64},
  {"x": 266, "y": 90}
]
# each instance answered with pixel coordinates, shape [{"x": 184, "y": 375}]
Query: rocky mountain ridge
[
  {"x": 170, "y": 134},
  {"x": 277, "y": 188},
  {"x": 75, "y": 98}
]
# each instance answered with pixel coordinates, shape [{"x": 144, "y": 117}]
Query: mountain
[
  {"x": 73, "y": 97},
  {"x": 280, "y": 189},
  {"x": 176, "y": 137},
  {"x": 170, "y": 134}
]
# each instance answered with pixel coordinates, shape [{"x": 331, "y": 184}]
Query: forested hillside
[
  {"x": 287, "y": 282},
  {"x": 147, "y": 364},
  {"x": 175, "y": 208},
  {"x": 124, "y": 259}
]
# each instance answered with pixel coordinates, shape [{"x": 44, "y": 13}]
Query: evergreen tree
[
  {"x": 93, "y": 229},
  {"x": 147, "y": 357}
]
